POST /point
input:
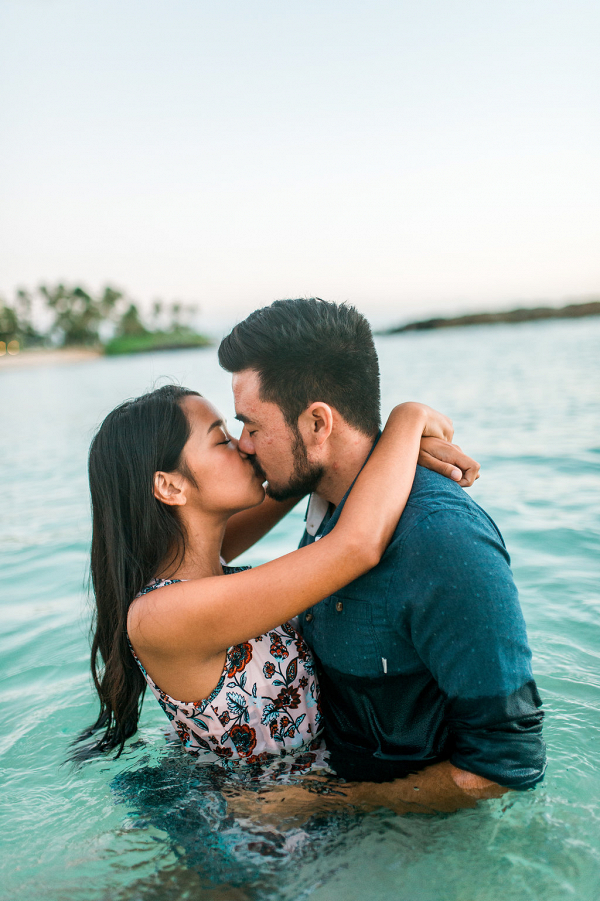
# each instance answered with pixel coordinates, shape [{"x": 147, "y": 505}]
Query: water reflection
[
  {"x": 522, "y": 844},
  {"x": 212, "y": 821},
  {"x": 152, "y": 826}
]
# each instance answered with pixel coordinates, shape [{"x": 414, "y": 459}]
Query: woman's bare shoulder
[{"x": 152, "y": 613}]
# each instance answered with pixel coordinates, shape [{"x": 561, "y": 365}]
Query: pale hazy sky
[{"x": 410, "y": 157}]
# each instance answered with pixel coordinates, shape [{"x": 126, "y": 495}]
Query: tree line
[{"x": 79, "y": 318}]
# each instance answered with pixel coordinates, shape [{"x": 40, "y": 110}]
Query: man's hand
[{"x": 449, "y": 460}]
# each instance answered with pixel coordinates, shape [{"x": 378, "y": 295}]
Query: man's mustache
[{"x": 258, "y": 469}]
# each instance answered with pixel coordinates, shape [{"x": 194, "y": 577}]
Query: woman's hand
[
  {"x": 449, "y": 460},
  {"x": 437, "y": 452},
  {"x": 436, "y": 424}
]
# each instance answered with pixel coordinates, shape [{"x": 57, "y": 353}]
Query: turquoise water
[{"x": 526, "y": 402}]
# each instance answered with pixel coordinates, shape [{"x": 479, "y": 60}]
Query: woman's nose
[{"x": 245, "y": 444}]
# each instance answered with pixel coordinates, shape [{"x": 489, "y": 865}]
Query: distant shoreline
[
  {"x": 31, "y": 358},
  {"x": 526, "y": 314},
  {"x": 34, "y": 357}
]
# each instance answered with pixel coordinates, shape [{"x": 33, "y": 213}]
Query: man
[{"x": 423, "y": 662}]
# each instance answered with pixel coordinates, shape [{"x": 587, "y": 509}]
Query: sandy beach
[{"x": 45, "y": 356}]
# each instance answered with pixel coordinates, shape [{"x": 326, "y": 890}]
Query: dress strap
[{"x": 158, "y": 583}]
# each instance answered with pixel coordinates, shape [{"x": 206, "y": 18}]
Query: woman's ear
[
  {"x": 169, "y": 488},
  {"x": 316, "y": 424}
]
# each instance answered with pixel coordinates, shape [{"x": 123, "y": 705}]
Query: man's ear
[
  {"x": 169, "y": 488},
  {"x": 316, "y": 424}
]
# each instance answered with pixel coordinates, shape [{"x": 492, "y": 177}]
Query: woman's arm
[
  {"x": 246, "y": 528},
  {"x": 209, "y": 615}
]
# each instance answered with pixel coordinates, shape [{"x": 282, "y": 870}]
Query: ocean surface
[{"x": 525, "y": 401}]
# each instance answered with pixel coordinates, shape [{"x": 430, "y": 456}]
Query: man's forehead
[
  {"x": 246, "y": 391},
  {"x": 246, "y": 394},
  {"x": 246, "y": 382}
]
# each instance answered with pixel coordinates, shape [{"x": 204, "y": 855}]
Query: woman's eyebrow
[{"x": 217, "y": 424}]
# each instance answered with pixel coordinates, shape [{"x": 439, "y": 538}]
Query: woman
[{"x": 165, "y": 479}]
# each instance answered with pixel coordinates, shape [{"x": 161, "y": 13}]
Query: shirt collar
[
  {"x": 318, "y": 507},
  {"x": 316, "y": 512}
]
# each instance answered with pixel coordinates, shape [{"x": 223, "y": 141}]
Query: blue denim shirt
[{"x": 426, "y": 657}]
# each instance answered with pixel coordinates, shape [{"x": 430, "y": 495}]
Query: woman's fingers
[
  {"x": 445, "y": 469},
  {"x": 449, "y": 460}
]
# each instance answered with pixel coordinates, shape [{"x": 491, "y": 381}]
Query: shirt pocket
[{"x": 345, "y": 637}]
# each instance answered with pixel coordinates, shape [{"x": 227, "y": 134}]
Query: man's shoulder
[
  {"x": 438, "y": 500},
  {"x": 445, "y": 538},
  {"x": 431, "y": 492}
]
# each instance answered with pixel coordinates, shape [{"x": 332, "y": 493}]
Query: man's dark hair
[{"x": 307, "y": 350}]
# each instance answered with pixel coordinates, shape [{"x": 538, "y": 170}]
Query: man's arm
[
  {"x": 463, "y": 614},
  {"x": 441, "y": 788},
  {"x": 431, "y": 791}
]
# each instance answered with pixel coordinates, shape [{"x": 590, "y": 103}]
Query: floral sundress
[{"x": 265, "y": 705}]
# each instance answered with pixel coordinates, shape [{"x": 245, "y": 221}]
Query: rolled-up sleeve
[{"x": 462, "y": 610}]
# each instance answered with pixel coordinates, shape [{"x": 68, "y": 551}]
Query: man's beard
[{"x": 304, "y": 479}]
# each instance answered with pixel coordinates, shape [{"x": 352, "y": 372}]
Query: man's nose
[{"x": 245, "y": 443}]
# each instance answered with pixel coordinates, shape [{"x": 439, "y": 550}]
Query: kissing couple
[{"x": 390, "y": 644}]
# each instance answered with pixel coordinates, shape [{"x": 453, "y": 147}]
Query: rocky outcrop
[{"x": 571, "y": 311}]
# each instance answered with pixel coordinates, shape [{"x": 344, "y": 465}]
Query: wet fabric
[
  {"x": 266, "y": 703},
  {"x": 426, "y": 657}
]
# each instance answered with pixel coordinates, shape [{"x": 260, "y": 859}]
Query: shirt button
[
  {"x": 308, "y": 617},
  {"x": 339, "y": 606}
]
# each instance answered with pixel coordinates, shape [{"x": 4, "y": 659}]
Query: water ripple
[{"x": 151, "y": 825}]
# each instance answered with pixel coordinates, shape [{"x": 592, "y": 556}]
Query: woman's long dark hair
[{"x": 132, "y": 535}]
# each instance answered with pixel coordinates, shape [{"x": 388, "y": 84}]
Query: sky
[{"x": 412, "y": 158}]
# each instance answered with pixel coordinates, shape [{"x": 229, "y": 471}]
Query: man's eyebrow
[
  {"x": 241, "y": 418},
  {"x": 216, "y": 425}
]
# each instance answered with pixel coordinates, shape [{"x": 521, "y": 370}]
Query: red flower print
[
  {"x": 273, "y": 727},
  {"x": 224, "y": 718},
  {"x": 302, "y": 681},
  {"x": 238, "y": 657},
  {"x": 288, "y": 697},
  {"x": 303, "y": 762},
  {"x": 303, "y": 652},
  {"x": 269, "y": 669},
  {"x": 182, "y": 732},
  {"x": 285, "y": 721},
  {"x": 244, "y": 739},
  {"x": 278, "y": 649},
  {"x": 223, "y": 752}
]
